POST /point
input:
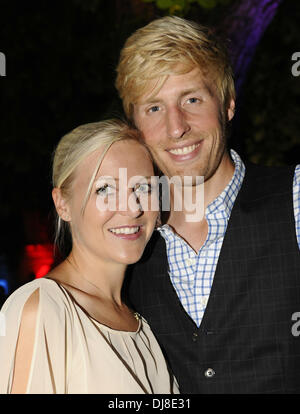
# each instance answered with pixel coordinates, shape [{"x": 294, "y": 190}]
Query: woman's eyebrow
[{"x": 117, "y": 179}]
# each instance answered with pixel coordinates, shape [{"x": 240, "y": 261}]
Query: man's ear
[
  {"x": 61, "y": 205},
  {"x": 231, "y": 110}
]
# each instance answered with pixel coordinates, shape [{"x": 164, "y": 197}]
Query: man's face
[{"x": 182, "y": 126}]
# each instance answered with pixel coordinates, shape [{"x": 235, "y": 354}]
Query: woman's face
[{"x": 118, "y": 219}]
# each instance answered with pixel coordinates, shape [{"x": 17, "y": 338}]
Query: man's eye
[
  {"x": 193, "y": 100},
  {"x": 154, "y": 108},
  {"x": 105, "y": 190}
]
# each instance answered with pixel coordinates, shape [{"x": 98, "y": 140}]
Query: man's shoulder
[
  {"x": 258, "y": 174},
  {"x": 263, "y": 183},
  {"x": 269, "y": 170}
]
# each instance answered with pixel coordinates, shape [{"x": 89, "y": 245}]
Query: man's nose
[{"x": 177, "y": 125}]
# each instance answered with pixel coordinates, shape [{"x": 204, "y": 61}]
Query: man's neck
[
  {"x": 216, "y": 184},
  {"x": 213, "y": 187}
]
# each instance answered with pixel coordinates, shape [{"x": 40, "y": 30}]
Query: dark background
[{"x": 60, "y": 72}]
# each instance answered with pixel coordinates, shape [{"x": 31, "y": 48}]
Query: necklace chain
[{"x": 135, "y": 314}]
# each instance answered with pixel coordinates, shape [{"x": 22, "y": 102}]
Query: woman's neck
[{"x": 92, "y": 275}]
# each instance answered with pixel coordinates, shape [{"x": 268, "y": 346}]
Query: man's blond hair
[{"x": 171, "y": 45}]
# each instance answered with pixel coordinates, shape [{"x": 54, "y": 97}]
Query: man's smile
[{"x": 185, "y": 152}]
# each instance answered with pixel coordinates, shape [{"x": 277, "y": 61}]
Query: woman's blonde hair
[
  {"x": 171, "y": 45},
  {"x": 71, "y": 150}
]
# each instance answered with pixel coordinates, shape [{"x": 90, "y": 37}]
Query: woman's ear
[
  {"x": 61, "y": 205},
  {"x": 231, "y": 110}
]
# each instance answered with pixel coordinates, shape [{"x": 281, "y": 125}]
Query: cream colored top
[{"x": 75, "y": 354}]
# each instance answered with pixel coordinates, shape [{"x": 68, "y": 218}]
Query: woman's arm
[{"x": 25, "y": 344}]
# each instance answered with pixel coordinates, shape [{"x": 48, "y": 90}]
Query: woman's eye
[
  {"x": 143, "y": 188},
  {"x": 105, "y": 190}
]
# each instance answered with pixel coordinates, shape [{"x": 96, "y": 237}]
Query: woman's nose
[{"x": 130, "y": 205}]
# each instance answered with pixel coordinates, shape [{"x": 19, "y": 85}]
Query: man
[{"x": 219, "y": 293}]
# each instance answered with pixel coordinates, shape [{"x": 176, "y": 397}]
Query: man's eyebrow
[
  {"x": 199, "y": 88},
  {"x": 151, "y": 101}
]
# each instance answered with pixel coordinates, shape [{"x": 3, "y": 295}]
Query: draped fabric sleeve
[{"x": 48, "y": 373}]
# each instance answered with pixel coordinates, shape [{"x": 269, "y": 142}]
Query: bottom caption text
[{"x": 155, "y": 403}]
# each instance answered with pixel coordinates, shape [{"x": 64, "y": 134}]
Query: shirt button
[
  {"x": 190, "y": 261},
  {"x": 195, "y": 336},
  {"x": 209, "y": 373}
]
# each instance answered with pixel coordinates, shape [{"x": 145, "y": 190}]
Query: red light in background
[
  {"x": 43, "y": 270},
  {"x": 39, "y": 258}
]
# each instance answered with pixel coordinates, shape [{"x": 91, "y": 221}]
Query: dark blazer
[{"x": 245, "y": 342}]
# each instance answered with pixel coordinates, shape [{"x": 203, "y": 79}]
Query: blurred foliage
[
  {"x": 183, "y": 7},
  {"x": 269, "y": 110}
]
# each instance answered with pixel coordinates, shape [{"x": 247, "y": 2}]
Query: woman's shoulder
[{"x": 50, "y": 297}]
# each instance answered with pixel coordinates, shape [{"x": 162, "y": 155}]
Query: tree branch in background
[{"x": 244, "y": 25}]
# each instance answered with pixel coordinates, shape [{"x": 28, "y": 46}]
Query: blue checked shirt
[{"x": 191, "y": 273}]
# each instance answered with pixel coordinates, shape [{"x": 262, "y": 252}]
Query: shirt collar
[
  {"x": 228, "y": 196},
  {"x": 225, "y": 201}
]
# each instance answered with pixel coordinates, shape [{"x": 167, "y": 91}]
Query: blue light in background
[
  {"x": 4, "y": 284},
  {"x": 4, "y": 275}
]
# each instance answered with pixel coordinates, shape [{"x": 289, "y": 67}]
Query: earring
[{"x": 66, "y": 217}]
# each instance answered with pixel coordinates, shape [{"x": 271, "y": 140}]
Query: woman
[{"x": 70, "y": 332}]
